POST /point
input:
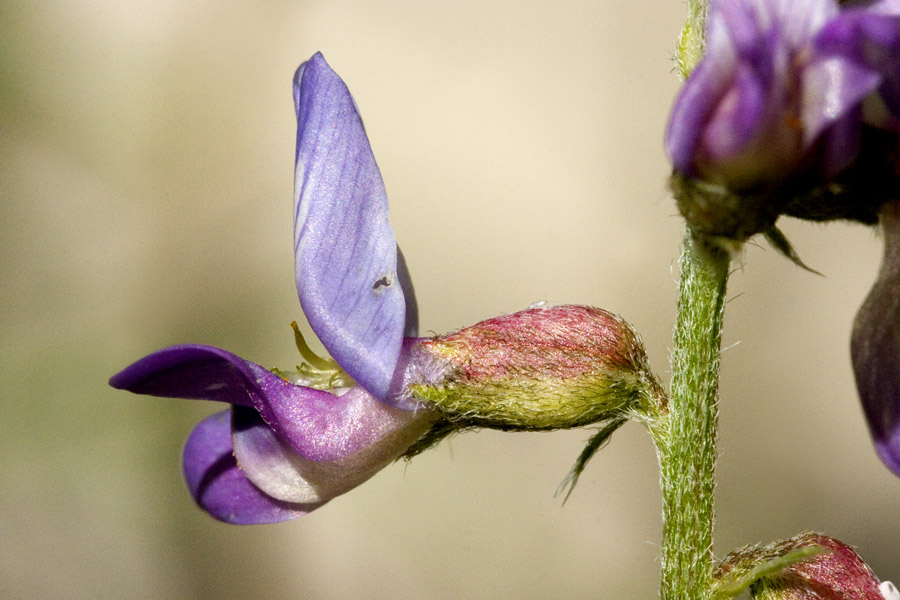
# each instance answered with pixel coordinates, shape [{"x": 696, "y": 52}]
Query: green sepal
[
  {"x": 597, "y": 441},
  {"x": 431, "y": 438},
  {"x": 779, "y": 241},
  {"x": 742, "y": 568}
]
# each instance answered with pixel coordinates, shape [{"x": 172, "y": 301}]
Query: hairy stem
[
  {"x": 692, "y": 40},
  {"x": 686, "y": 440}
]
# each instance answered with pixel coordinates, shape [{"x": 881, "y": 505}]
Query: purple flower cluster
[
  {"x": 784, "y": 88},
  {"x": 795, "y": 109}
]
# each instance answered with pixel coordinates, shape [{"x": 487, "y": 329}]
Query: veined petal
[
  {"x": 345, "y": 253},
  {"x": 316, "y": 424},
  {"x": 218, "y": 485},
  {"x": 281, "y": 473}
]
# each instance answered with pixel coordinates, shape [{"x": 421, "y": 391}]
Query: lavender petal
[{"x": 346, "y": 256}]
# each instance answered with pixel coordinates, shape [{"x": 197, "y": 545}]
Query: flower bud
[
  {"x": 836, "y": 574},
  {"x": 538, "y": 369}
]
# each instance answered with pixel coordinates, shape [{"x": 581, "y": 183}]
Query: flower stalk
[
  {"x": 686, "y": 439},
  {"x": 693, "y": 37}
]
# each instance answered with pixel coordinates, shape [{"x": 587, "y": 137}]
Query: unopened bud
[{"x": 834, "y": 572}]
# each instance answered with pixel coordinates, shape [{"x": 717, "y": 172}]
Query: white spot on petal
[{"x": 889, "y": 591}]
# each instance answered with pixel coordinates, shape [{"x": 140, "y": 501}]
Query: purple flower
[
  {"x": 781, "y": 90},
  {"x": 293, "y": 440},
  {"x": 789, "y": 94},
  {"x": 285, "y": 448}
]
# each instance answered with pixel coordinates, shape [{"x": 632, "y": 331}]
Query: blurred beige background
[{"x": 146, "y": 175}]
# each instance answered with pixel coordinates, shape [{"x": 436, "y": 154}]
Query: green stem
[
  {"x": 692, "y": 40},
  {"x": 686, "y": 438}
]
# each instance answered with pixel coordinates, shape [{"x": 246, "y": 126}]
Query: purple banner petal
[
  {"x": 219, "y": 486},
  {"x": 345, "y": 253}
]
